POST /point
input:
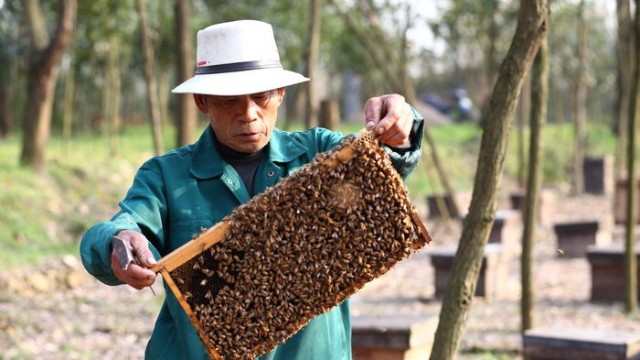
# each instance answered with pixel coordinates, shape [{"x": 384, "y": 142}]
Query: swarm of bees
[{"x": 299, "y": 249}]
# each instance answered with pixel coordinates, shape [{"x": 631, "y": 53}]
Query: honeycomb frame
[{"x": 295, "y": 251}]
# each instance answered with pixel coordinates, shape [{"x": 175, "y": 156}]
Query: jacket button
[
  {"x": 271, "y": 173},
  {"x": 229, "y": 181}
]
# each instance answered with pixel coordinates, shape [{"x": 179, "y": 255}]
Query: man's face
[{"x": 244, "y": 122}]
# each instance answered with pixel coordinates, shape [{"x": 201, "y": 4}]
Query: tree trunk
[
  {"x": 580, "y": 120},
  {"x": 312, "y": 52},
  {"x": 68, "y": 112},
  {"x": 111, "y": 106},
  {"x": 116, "y": 84},
  {"x": 9, "y": 86},
  {"x": 490, "y": 52},
  {"x": 152, "y": 88},
  {"x": 163, "y": 96},
  {"x": 530, "y": 32},
  {"x": 329, "y": 116},
  {"x": 625, "y": 43},
  {"x": 41, "y": 78},
  {"x": 186, "y": 118},
  {"x": 539, "y": 91},
  {"x": 631, "y": 280},
  {"x": 524, "y": 112},
  {"x": 7, "y": 115}
]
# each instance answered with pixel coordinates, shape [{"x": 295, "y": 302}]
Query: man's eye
[
  {"x": 261, "y": 98},
  {"x": 229, "y": 101}
]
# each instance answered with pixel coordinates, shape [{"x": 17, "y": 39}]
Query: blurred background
[{"x": 85, "y": 99}]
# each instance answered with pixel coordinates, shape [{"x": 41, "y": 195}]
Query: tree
[
  {"x": 10, "y": 67},
  {"x": 631, "y": 266},
  {"x": 311, "y": 55},
  {"x": 580, "y": 112},
  {"x": 112, "y": 92},
  {"x": 67, "y": 105},
  {"x": 531, "y": 28},
  {"x": 491, "y": 61},
  {"x": 104, "y": 66},
  {"x": 41, "y": 78},
  {"x": 539, "y": 91},
  {"x": 186, "y": 116},
  {"x": 524, "y": 110},
  {"x": 152, "y": 88},
  {"x": 624, "y": 45}
]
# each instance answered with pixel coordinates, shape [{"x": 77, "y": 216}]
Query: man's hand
[
  {"x": 389, "y": 117},
  {"x": 137, "y": 275}
]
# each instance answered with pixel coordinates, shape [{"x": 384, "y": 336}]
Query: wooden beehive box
[{"x": 302, "y": 247}]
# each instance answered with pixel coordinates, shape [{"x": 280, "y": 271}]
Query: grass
[{"x": 45, "y": 215}]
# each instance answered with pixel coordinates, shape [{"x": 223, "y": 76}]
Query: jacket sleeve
[
  {"x": 142, "y": 210},
  {"x": 406, "y": 160}
]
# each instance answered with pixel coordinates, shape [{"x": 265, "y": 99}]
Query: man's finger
[
  {"x": 372, "y": 110},
  {"x": 139, "y": 277},
  {"x": 389, "y": 119},
  {"x": 139, "y": 273},
  {"x": 393, "y": 136},
  {"x": 397, "y": 140},
  {"x": 141, "y": 251}
]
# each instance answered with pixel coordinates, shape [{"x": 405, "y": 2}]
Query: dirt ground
[{"x": 56, "y": 311}]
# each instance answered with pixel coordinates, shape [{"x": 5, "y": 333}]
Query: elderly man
[{"x": 239, "y": 85}]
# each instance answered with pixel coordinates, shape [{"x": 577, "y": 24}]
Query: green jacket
[{"x": 175, "y": 195}]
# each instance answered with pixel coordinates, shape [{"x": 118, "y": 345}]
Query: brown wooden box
[
  {"x": 598, "y": 175},
  {"x": 580, "y": 344},
  {"x": 489, "y": 279},
  {"x": 506, "y": 230},
  {"x": 546, "y": 205},
  {"x": 434, "y": 207},
  {"x": 607, "y": 273},
  {"x": 393, "y": 337},
  {"x": 574, "y": 238}
]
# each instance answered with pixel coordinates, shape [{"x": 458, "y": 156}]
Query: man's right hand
[{"x": 137, "y": 275}]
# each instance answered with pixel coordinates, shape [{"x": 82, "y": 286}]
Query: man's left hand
[{"x": 390, "y": 118}]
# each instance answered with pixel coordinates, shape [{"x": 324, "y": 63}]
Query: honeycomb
[{"x": 295, "y": 251}]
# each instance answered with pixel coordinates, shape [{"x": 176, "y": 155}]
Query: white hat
[{"x": 238, "y": 58}]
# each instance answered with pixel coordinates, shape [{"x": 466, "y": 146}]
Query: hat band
[{"x": 238, "y": 66}]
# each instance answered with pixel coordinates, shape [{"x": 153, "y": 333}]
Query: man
[{"x": 239, "y": 85}]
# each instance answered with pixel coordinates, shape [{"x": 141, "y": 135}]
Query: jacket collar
[{"x": 208, "y": 162}]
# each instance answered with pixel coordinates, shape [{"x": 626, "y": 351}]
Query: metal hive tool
[{"x": 302, "y": 247}]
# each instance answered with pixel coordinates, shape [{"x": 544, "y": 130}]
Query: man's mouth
[{"x": 249, "y": 134}]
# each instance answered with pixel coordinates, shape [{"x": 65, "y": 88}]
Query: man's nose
[{"x": 248, "y": 108}]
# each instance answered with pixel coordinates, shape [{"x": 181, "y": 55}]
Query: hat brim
[{"x": 239, "y": 83}]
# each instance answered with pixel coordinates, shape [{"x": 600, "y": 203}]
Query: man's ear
[
  {"x": 281, "y": 93},
  {"x": 201, "y": 102}
]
